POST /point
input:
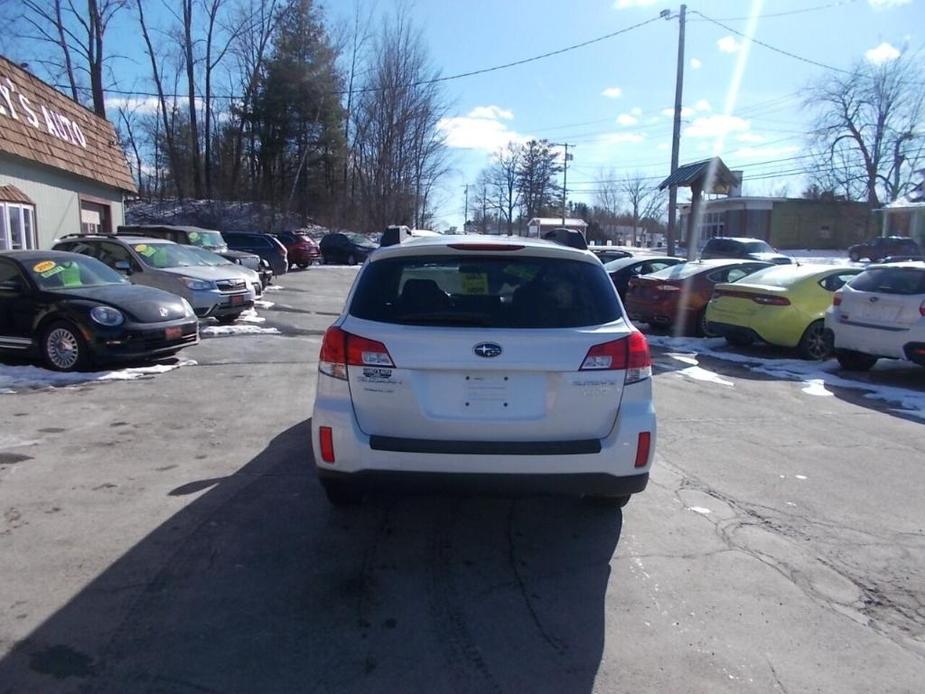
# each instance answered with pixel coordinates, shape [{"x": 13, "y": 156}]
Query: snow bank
[
  {"x": 18, "y": 378},
  {"x": 236, "y": 329},
  {"x": 816, "y": 377}
]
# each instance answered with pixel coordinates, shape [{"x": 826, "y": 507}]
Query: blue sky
[
  {"x": 612, "y": 99},
  {"x": 609, "y": 99}
]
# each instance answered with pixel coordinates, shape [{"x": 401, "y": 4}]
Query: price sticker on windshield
[
  {"x": 194, "y": 236},
  {"x": 475, "y": 283},
  {"x": 44, "y": 266},
  {"x": 146, "y": 250}
]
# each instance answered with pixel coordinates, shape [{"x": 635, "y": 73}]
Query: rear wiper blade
[{"x": 450, "y": 319}]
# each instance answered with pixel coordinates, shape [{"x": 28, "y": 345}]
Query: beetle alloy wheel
[{"x": 63, "y": 348}]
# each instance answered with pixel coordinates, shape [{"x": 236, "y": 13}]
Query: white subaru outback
[{"x": 472, "y": 359}]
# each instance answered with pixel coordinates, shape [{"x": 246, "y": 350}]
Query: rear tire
[
  {"x": 351, "y": 259},
  {"x": 816, "y": 343},
  {"x": 303, "y": 266},
  {"x": 608, "y": 501},
  {"x": 701, "y": 327},
  {"x": 64, "y": 348},
  {"x": 342, "y": 493},
  {"x": 854, "y": 257},
  {"x": 855, "y": 361},
  {"x": 228, "y": 319}
]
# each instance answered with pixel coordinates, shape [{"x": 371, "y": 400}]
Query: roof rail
[{"x": 79, "y": 235}]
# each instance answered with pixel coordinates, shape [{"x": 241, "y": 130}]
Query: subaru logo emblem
[{"x": 487, "y": 350}]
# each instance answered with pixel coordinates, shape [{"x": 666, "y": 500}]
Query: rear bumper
[
  {"x": 877, "y": 341},
  {"x": 566, "y": 483},
  {"x": 733, "y": 331},
  {"x": 588, "y": 466}
]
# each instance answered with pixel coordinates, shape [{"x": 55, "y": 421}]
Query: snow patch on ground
[
  {"x": 260, "y": 303},
  {"x": 14, "y": 379},
  {"x": 236, "y": 329},
  {"x": 698, "y": 373},
  {"x": 274, "y": 288},
  {"x": 912, "y": 402},
  {"x": 816, "y": 386},
  {"x": 699, "y": 509},
  {"x": 250, "y": 316}
]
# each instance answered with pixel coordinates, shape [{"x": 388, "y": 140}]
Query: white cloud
[
  {"x": 703, "y": 105},
  {"x": 716, "y": 126},
  {"x": 493, "y": 112},
  {"x": 763, "y": 152},
  {"x": 480, "y": 129},
  {"x": 138, "y": 104},
  {"x": 620, "y": 138},
  {"x": 612, "y": 92},
  {"x": 626, "y": 4},
  {"x": 626, "y": 119},
  {"x": 729, "y": 44},
  {"x": 886, "y": 4},
  {"x": 636, "y": 111},
  {"x": 884, "y": 53},
  {"x": 686, "y": 112},
  {"x": 663, "y": 146},
  {"x": 753, "y": 138},
  {"x": 696, "y": 63}
]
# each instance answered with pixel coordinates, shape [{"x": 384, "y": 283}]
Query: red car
[
  {"x": 302, "y": 249},
  {"x": 678, "y": 296}
]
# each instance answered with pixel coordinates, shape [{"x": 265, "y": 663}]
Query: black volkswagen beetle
[
  {"x": 621, "y": 271},
  {"x": 72, "y": 311}
]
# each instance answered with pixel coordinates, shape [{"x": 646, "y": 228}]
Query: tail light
[
  {"x": 326, "y": 439},
  {"x": 836, "y": 299},
  {"x": 922, "y": 309},
  {"x": 642, "y": 448},
  {"x": 630, "y": 353},
  {"x": 770, "y": 300},
  {"x": 340, "y": 349}
]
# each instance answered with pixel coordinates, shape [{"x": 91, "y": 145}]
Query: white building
[{"x": 538, "y": 226}]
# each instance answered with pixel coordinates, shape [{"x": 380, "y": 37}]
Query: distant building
[
  {"x": 538, "y": 226},
  {"x": 784, "y": 222},
  {"x": 905, "y": 216}
]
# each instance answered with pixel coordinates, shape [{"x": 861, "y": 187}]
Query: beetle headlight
[{"x": 106, "y": 315}]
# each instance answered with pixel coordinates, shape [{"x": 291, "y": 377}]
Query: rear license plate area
[
  {"x": 237, "y": 300},
  {"x": 173, "y": 333}
]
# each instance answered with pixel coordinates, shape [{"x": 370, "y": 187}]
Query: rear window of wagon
[{"x": 486, "y": 291}]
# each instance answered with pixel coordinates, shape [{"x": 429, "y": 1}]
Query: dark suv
[
  {"x": 743, "y": 248},
  {"x": 881, "y": 247},
  {"x": 264, "y": 245},
  {"x": 345, "y": 247}
]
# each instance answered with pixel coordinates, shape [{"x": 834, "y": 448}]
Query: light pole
[{"x": 565, "y": 161}]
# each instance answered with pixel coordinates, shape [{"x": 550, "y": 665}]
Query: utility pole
[
  {"x": 565, "y": 161},
  {"x": 466, "y": 216},
  {"x": 676, "y": 132}
]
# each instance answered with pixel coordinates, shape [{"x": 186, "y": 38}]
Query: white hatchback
[
  {"x": 468, "y": 359},
  {"x": 880, "y": 313}
]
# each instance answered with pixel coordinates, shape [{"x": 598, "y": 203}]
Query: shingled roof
[{"x": 42, "y": 125}]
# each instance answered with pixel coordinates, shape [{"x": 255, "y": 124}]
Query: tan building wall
[{"x": 57, "y": 197}]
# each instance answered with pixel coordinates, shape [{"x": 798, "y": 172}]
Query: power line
[
  {"x": 419, "y": 83},
  {"x": 769, "y": 46},
  {"x": 788, "y": 13}
]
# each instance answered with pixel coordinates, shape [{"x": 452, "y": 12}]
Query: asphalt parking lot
[{"x": 167, "y": 534}]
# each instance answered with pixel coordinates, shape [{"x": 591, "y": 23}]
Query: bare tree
[
  {"x": 214, "y": 54},
  {"x": 608, "y": 196},
  {"x": 399, "y": 149},
  {"x": 644, "y": 201},
  {"x": 166, "y": 115},
  {"x": 47, "y": 19},
  {"x": 502, "y": 179},
  {"x": 867, "y": 136},
  {"x": 536, "y": 173}
]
